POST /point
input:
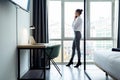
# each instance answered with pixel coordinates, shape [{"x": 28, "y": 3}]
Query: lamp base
[{"x": 32, "y": 40}]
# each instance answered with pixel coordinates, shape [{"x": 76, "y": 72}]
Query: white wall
[
  {"x": 14, "y": 29},
  {"x": 23, "y": 24},
  {"x": 8, "y": 65}
]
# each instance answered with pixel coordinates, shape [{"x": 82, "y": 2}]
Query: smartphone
[{"x": 75, "y": 16}]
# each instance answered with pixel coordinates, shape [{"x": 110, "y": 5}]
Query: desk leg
[
  {"x": 18, "y": 64},
  {"x": 30, "y": 59},
  {"x": 49, "y": 64},
  {"x": 44, "y": 65}
]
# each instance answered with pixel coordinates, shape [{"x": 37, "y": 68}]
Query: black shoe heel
[
  {"x": 78, "y": 64},
  {"x": 69, "y": 64}
]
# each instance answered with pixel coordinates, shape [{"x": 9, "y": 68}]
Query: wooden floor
[{"x": 71, "y": 73}]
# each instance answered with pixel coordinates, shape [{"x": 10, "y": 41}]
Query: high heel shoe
[
  {"x": 78, "y": 64},
  {"x": 69, "y": 64}
]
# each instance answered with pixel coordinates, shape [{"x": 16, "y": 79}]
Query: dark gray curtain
[
  {"x": 118, "y": 41},
  {"x": 40, "y": 21}
]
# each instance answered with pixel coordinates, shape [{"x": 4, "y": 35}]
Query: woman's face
[{"x": 77, "y": 14}]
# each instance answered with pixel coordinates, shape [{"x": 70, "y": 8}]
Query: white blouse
[{"x": 77, "y": 24}]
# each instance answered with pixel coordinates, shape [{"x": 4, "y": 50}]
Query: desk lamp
[{"x": 31, "y": 38}]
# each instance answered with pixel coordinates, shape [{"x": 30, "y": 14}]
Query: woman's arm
[{"x": 77, "y": 23}]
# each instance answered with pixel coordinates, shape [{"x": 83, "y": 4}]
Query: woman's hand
[{"x": 75, "y": 17}]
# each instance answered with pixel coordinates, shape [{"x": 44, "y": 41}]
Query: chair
[{"x": 52, "y": 52}]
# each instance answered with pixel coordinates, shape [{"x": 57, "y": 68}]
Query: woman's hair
[{"x": 79, "y": 11}]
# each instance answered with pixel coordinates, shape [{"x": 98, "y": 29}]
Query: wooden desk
[{"x": 38, "y": 46}]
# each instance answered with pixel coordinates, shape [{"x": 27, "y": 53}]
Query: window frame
[
  {"x": 112, "y": 21},
  {"x": 63, "y": 38}
]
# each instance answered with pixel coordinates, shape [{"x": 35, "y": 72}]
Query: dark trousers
[{"x": 76, "y": 45}]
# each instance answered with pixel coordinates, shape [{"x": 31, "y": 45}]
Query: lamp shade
[{"x": 32, "y": 27}]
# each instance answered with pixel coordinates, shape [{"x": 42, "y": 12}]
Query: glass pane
[
  {"x": 58, "y": 59},
  {"x": 69, "y": 10},
  {"x": 54, "y": 19},
  {"x": 68, "y": 51},
  {"x": 92, "y": 46},
  {"x": 100, "y": 19}
]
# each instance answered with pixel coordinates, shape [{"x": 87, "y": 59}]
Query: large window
[
  {"x": 99, "y": 26},
  {"x": 54, "y": 22},
  {"x": 54, "y": 19},
  {"x": 101, "y": 19},
  {"x": 69, "y": 13}
]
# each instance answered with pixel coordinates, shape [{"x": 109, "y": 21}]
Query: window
[
  {"x": 69, "y": 13},
  {"x": 68, "y": 50},
  {"x": 54, "y": 17},
  {"x": 99, "y": 26},
  {"x": 54, "y": 24},
  {"x": 97, "y": 45},
  {"x": 100, "y": 19}
]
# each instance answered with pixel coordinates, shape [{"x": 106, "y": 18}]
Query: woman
[{"x": 77, "y": 27}]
